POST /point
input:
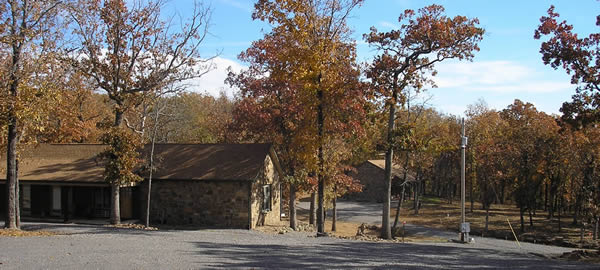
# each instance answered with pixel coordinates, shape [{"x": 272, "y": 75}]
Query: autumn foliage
[
  {"x": 122, "y": 68},
  {"x": 407, "y": 58},
  {"x": 579, "y": 57}
]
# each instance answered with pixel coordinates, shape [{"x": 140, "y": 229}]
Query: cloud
[
  {"x": 389, "y": 25},
  {"x": 228, "y": 44},
  {"x": 507, "y": 31},
  {"x": 496, "y": 77},
  {"x": 245, "y": 6},
  {"x": 403, "y": 3},
  {"x": 451, "y": 109},
  {"x": 213, "y": 82}
]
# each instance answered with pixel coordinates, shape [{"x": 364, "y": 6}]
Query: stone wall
[
  {"x": 222, "y": 204},
  {"x": 268, "y": 176}
]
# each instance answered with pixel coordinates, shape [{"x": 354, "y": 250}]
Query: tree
[
  {"x": 336, "y": 151},
  {"x": 579, "y": 57},
  {"x": 160, "y": 105},
  {"x": 76, "y": 113},
  {"x": 129, "y": 52},
  {"x": 529, "y": 131},
  {"x": 193, "y": 118},
  {"x": 28, "y": 33},
  {"x": 486, "y": 134},
  {"x": 408, "y": 55},
  {"x": 582, "y": 191},
  {"x": 416, "y": 125},
  {"x": 446, "y": 155},
  {"x": 317, "y": 34},
  {"x": 271, "y": 109}
]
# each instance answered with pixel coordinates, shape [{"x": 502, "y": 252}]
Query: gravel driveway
[
  {"x": 370, "y": 213},
  {"x": 97, "y": 247}
]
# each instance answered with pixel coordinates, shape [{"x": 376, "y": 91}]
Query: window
[{"x": 266, "y": 205}]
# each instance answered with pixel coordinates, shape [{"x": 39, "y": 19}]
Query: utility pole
[{"x": 464, "y": 226}]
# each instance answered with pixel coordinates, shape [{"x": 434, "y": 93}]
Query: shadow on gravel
[
  {"x": 78, "y": 228},
  {"x": 371, "y": 255},
  {"x": 70, "y": 229}
]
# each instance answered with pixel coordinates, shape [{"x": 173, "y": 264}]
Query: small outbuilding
[
  {"x": 371, "y": 174},
  {"x": 216, "y": 185}
]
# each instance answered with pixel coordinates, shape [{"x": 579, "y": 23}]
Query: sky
[{"x": 507, "y": 67}]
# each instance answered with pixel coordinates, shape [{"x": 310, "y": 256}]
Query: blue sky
[{"x": 509, "y": 65}]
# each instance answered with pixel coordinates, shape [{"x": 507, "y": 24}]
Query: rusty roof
[
  {"x": 78, "y": 162},
  {"x": 397, "y": 170},
  {"x": 208, "y": 161}
]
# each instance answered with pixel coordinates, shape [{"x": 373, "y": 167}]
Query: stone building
[
  {"x": 216, "y": 185},
  {"x": 371, "y": 174}
]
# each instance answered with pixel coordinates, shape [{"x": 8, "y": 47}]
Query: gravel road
[
  {"x": 370, "y": 213},
  {"x": 97, "y": 247}
]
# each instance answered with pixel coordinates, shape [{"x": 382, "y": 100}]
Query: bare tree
[{"x": 130, "y": 53}]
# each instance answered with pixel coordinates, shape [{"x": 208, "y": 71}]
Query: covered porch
[{"x": 67, "y": 202}]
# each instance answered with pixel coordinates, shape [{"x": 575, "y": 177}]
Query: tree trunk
[
  {"x": 321, "y": 162},
  {"x": 417, "y": 196},
  {"x": 522, "y": 212},
  {"x": 16, "y": 43},
  {"x": 595, "y": 233},
  {"x": 398, "y": 208},
  {"x": 487, "y": 218},
  {"x": 502, "y": 186},
  {"x": 450, "y": 191},
  {"x": 471, "y": 198},
  {"x": 313, "y": 210},
  {"x": 582, "y": 234},
  {"x": 292, "y": 206},
  {"x": 11, "y": 174},
  {"x": 148, "y": 200},
  {"x": 576, "y": 213},
  {"x": 414, "y": 195},
  {"x": 155, "y": 128},
  {"x": 559, "y": 210},
  {"x": 115, "y": 209},
  {"x": 546, "y": 197},
  {"x": 334, "y": 213},
  {"x": 386, "y": 231},
  {"x": 18, "y": 196},
  {"x": 530, "y": 219},
  {"x": 552, "y": 205}
]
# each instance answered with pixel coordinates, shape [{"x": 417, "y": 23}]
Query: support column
[
  {"x": 26, "y": 200},
  {"x": 56, "y": 201}
]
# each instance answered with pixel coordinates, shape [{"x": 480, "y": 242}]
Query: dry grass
[
  {"x": 438, "y": 213},
  {"x": 23, "y": 233},
  {"x": 442, "y": 215}
]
